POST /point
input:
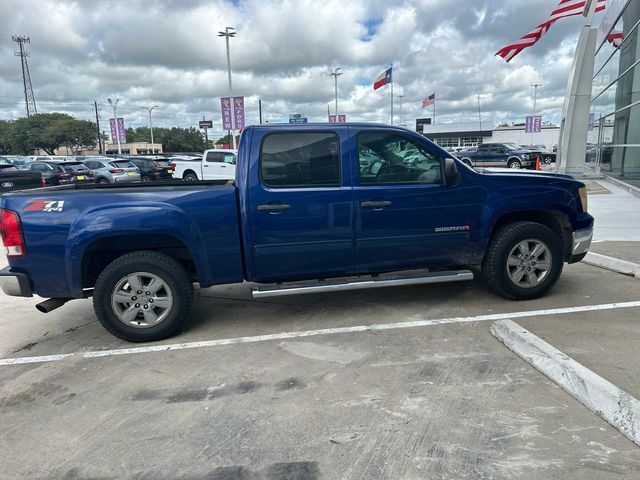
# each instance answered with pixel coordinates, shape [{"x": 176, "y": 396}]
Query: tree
[
  {"x": 6, "y": 137},
  {"x": 50, "y": 131},
  {"x": 173, "y": 139}
]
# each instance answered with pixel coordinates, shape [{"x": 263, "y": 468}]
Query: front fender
[{"x": 146, "y": 218}]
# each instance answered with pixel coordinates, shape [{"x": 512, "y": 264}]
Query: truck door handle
[
  {"x": 205, "y": 166},
  {"x": 223, "y": 166},
  {"x": 273, "y": 207},
  {"x": 375, "y": 204}
]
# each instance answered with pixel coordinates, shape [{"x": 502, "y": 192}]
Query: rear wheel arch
[
  {"x": 189, "y": 174},
  {"x": 101, "y": 252}
]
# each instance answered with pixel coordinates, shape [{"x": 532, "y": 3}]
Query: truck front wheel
[
  {"x": 523, "y": 261},
  {"x": 143, "y": 296}
]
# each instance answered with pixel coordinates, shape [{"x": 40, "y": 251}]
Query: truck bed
[{"x": 70, "y": 231}]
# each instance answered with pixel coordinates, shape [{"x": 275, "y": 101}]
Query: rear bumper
[
  {"x": 581, "y": 241},
  {"x": 15, "y": 284}
]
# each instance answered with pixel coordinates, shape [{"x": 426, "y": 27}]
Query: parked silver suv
[{"x": 106, "y": 170}]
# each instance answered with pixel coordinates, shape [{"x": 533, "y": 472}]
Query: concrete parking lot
[{"x": 305, "y": 388}]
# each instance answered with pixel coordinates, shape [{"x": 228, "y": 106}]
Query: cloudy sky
[{"x": 167, "y": 53}]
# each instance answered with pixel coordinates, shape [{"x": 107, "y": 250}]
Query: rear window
[
  {"x": 73, "y": 167},
  {"x": 122, "y": 164},
  {"x": 163, "y": 163},
  {"x": 300, "y": 159}
]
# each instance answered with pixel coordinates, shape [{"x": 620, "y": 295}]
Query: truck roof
[{"x": 317, "y": 125}]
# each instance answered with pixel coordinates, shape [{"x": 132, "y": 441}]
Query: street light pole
[
  {"x": 400, "y": 118},
  {"x": 228, "y": 33},
  {"x": 115, "y": 120},
  {"x": 335, "y": 74},
  {"x": 150, "y": 109},
  {"x": 535, "y": 97}
]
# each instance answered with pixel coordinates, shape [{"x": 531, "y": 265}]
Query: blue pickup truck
[{"x": 313, "y": 208}]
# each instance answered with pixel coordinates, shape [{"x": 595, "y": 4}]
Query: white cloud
[{"x": 167, "y": 53}]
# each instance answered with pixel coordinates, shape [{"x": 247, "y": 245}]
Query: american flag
[
  {"x": 429, "y": 100},
  {"x": 566, "y": 8}
]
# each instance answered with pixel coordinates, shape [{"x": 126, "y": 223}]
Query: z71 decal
[{"x": 44, "y": 206}]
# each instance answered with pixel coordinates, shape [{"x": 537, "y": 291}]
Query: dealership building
[
  {"x": 452, "y": 135},
  {"x": 615, "y": 96}
]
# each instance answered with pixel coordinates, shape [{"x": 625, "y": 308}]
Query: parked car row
[{"x": 63, "y": 170}]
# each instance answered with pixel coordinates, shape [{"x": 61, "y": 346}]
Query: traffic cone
[{"x": 538, "y": 166}]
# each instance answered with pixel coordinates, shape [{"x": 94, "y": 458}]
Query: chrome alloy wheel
[
  {"x": 141, "y": 300},
  {"x": 529, "y": 263}
]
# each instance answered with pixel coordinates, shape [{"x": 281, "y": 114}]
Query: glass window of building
[{"x": 614, "y": 137}]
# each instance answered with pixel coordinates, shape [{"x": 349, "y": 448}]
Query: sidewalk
[{"x": 617, "y": 214}]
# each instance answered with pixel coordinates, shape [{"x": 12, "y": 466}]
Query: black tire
[
  {"x": 169, "y": 270},
  {"x": 467, "y": 162},
  {"x": 146, "y": 178},
  {"x": 514, "y": 163},
  {"x": 190, "y": 177},
  {"x": 102, "y": 181},
  {"x": 494, "y": 265}
]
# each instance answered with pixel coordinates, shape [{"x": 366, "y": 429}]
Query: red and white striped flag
[{"x": 566, "y": 8}]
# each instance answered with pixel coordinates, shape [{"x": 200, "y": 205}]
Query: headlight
[{"x": 583, "y": 198}]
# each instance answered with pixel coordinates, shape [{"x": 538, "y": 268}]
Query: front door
[
  {"x": 406, "y": 216},
  {"x": 300, "y": 205},
  {"x": 219, "y": 166}
]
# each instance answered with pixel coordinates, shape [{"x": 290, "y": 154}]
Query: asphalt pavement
[{"x": 397, "y": 383}]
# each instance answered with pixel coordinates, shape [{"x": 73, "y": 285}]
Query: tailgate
[{"x": 17, "y": 180}]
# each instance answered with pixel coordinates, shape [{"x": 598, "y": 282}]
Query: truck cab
[{"x": 215, "y": 164}]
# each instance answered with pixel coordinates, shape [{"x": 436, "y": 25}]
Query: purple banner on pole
[
  {"x": 121, "y": 131},
  {"x": 225, "y": 105},
  {"x": 537, "y": 124},
  {"x": 528, "y": 124},
  {"x": 238, "y": 110},
  {"x": 114, "y": 132},
  {"x": 342, "y": 119},
  {"x": 332, "y": 119},
  {"x": 117, "y": 130}
]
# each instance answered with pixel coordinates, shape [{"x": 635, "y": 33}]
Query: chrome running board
[{"x": 358, "y": 284}]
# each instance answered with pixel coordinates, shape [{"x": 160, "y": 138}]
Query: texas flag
[{"x": 383, "y": 79}]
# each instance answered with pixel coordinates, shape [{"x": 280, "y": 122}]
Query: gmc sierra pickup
[{"x": 313, "y": 208}]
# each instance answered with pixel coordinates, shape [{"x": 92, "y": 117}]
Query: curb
[
  {"x": 614, "y": 405},
  {"x": 614, "y": 264}
]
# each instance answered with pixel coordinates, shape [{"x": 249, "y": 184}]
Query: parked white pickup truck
[{"x": 214, "y": 165}]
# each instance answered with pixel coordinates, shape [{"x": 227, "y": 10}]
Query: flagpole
[
  {"x": 392, "y": 94},
  {"x": 434, "y": 107}
]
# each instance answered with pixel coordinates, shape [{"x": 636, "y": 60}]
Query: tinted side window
[
  {"x": 300, "y": 159},
  {"x": 386, "y": 158},
  {"x": 215, "y": 157}
]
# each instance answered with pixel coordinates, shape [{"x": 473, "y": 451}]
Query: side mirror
[{"x": 451, "y": 174}]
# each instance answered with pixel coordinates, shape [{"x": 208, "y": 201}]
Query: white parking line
[
  {"x": 312, "y": 333},
  {"x": 614, "y": 405}
]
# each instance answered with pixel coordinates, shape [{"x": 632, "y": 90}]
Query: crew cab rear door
[
  {"x": 218, "y": 166},
  {"x": 406, "y": 216},
  {"x": 300, "y": 204}
]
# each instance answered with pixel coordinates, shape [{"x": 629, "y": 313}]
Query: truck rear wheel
[
  {"x": 523, "y": 261},
  {"x": 190, "y": 177},
  {"x": 143, "y": 296}
]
